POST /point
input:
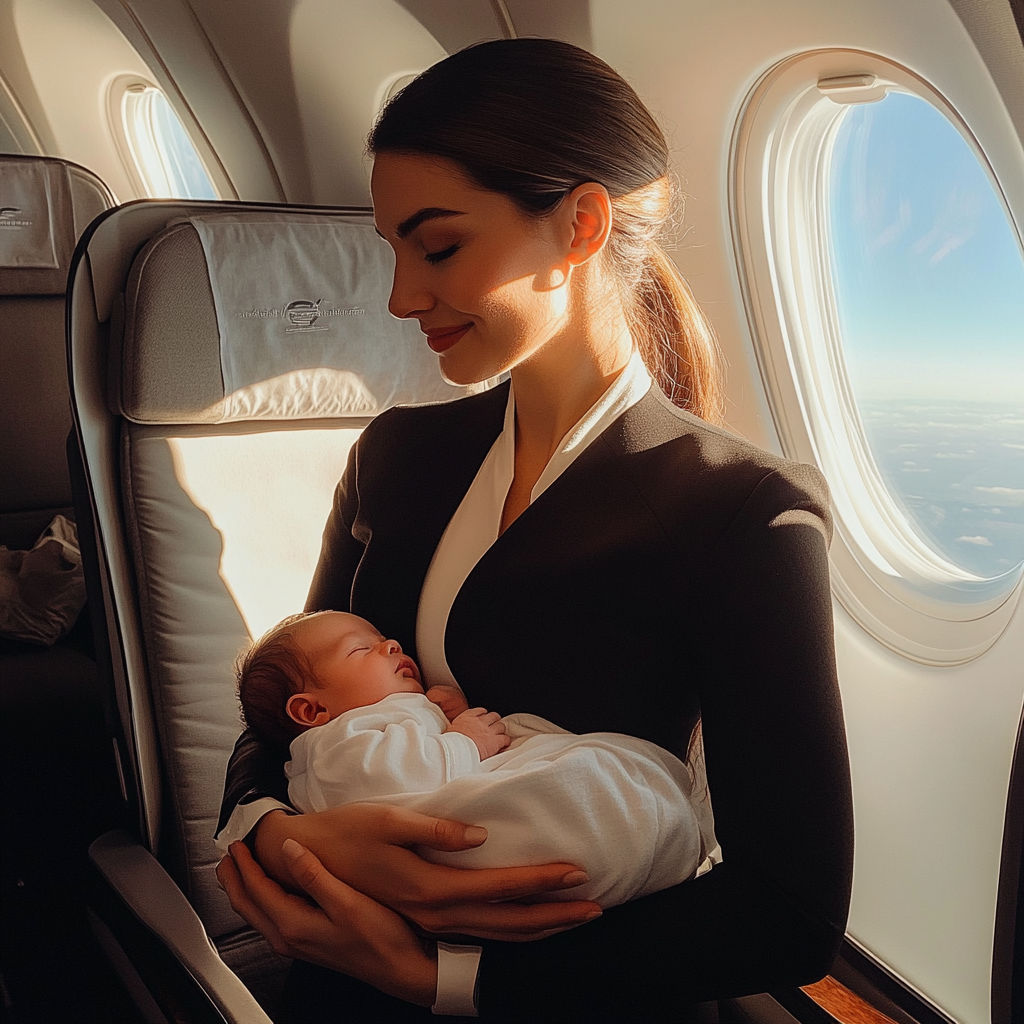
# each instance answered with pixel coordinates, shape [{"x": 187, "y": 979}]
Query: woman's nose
[{"x": 408, "y": 297}]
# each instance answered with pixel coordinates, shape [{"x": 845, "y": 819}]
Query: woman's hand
[
  {"x": 367, "y": 846},
  {"x": 345, "y": 931}
]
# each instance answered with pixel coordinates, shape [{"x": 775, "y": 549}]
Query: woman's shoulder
[{"x": 674, "y": 456}]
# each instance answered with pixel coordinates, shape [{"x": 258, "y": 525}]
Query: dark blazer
[{"x": 673, "y": 572}]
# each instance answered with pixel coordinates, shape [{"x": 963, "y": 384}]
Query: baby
[{"x": 361, "y": 728}]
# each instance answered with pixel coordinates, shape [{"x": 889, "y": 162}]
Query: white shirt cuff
[
  {"x": 457, "y": 969},
  {"x": 244, "y": 818}
]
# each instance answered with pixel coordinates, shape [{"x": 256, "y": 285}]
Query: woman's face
[{"x": 487, "y": 283}]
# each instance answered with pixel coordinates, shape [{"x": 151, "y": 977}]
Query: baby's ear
[{"x": 306, "y": 710}]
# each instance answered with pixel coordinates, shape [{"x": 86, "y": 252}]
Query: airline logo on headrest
[
  {"x": 300, "y": 314},
  {"x": 9, "y": 218}
]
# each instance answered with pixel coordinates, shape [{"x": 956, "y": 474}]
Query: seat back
[
  {"x": 45, "y": 204},
  {"x": 224, "y": 357}
]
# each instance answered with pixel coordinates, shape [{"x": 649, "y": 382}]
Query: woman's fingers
[
  {"x": 443, "y": 885},
  {"x": 312, "y": 877},
  {"x": 404, "y": 827},
  {"x": 241, "y": 899},
  {"x": 372, "y": 849},
  {"x": 355, "y": 934}
]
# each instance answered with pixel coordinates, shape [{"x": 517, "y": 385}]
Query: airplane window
[
  {"x": 161, "y": 150},
  {"x": 884, "y": 284},
  {"x": 930, "y": 293}
]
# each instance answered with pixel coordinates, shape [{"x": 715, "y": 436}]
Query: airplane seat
[
  {"x": 224, "y": 357},
  {"x": 45, "y": 205}
]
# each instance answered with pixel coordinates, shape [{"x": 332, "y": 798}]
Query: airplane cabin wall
[{"x": 50, "y": 49}]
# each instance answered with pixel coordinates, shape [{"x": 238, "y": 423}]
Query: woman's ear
[
  {"x": 590, "y": 209},
  {"x": 306, "y": 710}
]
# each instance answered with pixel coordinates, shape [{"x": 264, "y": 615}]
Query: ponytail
[{"x": 676, "y": 340}]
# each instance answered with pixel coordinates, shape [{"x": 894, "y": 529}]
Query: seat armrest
[{"x": 157, "y": 902}]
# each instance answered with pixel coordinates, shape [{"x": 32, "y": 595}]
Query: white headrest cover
[
  {"x": 26, "y": 221},
  {"x": 268, "y": 316}
]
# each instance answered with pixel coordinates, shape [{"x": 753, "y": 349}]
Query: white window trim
[
  {"x": 117, "y": 92},
  {"x": 885, "y": 574},
  {"x": 392, "y": 85}
]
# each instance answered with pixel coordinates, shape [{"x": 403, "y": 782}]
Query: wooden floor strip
[{"x": 846, "y": 1006}]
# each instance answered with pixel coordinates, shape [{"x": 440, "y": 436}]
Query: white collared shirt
[{"x": 472, "y": 530}]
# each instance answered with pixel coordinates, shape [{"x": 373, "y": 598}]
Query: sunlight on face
[
  {"x": 486, "y": 282},
  {"x": 355, "y": 666}
]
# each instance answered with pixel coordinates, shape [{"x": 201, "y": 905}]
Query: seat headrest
[
  {"x": 261, "y": 315},
  {"x": 45, "y": 204}
]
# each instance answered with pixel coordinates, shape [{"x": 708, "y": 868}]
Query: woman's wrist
[
  {"x": 422, "y": 979},
  {"x": 266, "y": 840}
]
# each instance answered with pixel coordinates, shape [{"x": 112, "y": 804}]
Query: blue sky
[{"x": 930, "y": 278}]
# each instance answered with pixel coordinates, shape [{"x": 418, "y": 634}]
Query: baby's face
[{"x": 354, "y": 664}]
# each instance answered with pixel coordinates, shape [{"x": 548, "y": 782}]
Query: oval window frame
[
  {"x": 117, "y": 93},
  {"x": 885, "y": 575}
]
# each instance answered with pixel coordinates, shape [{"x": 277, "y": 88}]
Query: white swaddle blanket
[{"x": 617, "y": 806}]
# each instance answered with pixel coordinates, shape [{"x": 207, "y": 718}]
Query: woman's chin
[{"x": 479, "y": 379}]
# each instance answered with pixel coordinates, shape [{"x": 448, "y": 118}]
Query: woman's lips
[{"x": 440, "y": 339}]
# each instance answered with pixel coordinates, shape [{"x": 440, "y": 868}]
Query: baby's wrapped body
[{"x": 617, "y": 806}]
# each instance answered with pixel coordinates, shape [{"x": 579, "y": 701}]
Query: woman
[{"x": 577, "y": 546}]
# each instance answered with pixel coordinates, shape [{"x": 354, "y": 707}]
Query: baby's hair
[{"x": 267, "y": 674}]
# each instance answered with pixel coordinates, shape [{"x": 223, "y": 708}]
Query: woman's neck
[{"x": 554, "y": 388}]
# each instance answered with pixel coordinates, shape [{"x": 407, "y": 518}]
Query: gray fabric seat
[
  {"x": 208, "y": 503},
  {"x": 45, "y": 205},
  {"x": 35, "y": 415}
]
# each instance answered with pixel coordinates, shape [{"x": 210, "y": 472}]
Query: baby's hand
[
  {"x": 485, "y": 728},
  {"x": 450, "y": 699}
]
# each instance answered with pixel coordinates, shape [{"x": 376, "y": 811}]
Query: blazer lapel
[{"x": 423, "y": 479}]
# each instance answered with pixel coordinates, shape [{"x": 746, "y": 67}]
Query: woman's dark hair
[{"x": 534, "y": 118}]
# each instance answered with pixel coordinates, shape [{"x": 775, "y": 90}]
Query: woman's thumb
[{"x": 306, "y": 869}]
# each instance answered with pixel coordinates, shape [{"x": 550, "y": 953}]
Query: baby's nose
[{"x": 391, "y": 646}]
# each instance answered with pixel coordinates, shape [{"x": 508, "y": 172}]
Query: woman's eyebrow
[{"x": 420, "y": 216}]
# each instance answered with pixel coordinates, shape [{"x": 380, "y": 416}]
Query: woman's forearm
[{"x": 725, "y": 934}]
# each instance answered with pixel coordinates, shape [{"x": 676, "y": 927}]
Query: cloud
[
  {"x": 982, "y": 542},
  {"x": 954, "y": 242},
  {"x": 956, "y": 223},
  {"x": 1009, "y": 495},
  {"x": 894, "y": 232}
]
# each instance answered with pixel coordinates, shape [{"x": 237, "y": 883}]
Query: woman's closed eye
[{"x": 442, "y": 254}]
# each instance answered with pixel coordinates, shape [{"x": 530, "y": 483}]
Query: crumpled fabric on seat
[{"x": 42, "y": 590}]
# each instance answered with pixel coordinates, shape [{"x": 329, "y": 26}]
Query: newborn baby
[{"x": 361, "y": 728}]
